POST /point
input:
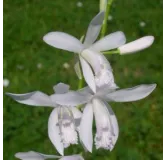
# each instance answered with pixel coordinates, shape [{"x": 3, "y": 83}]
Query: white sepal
[
  {"x": 63, "y": 41},
  {"x": 32, "y": 155},
  {"x": 54, "y": 131},
  {"x": 88, "y": 74},
  {"x": 94, "y": 29},
  {"x": 72, "y": 157},
  {"x": 71, "y": 98},
  {"x": 35, "y": 98},
  {"x": 86, "y": 127},
  {"x": 130, "y": 94},
  {"x": 109, "y": 42}
]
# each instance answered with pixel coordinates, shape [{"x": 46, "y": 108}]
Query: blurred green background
[{"x": 30, "y": 64}]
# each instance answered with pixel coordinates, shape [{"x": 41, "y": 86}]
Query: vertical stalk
[
  {"x": 104, "y": 27},
  {"x": 80, "y": 83},
  {"x": 112, "y": 52}
]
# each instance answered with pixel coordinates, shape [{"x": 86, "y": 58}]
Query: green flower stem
[
  {"x": 112, "y": 52},
  {"x": 104, "y": 27},
  {"x": 80, "y": 83}
]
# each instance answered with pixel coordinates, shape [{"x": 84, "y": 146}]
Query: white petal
[
  {"x": 61, "y": 88},
  {"x": 104, "y": 63},
  {"x": 88, "y": 74},
  {"x": 136, "y": 45},
  {"x": 54, "y": 132},
  {"x": 105, "y": 77},
  {"x": 94, "y": 29},
  {"x": 31, "y": 155},
  {"x": 114, "y": 122},
  {"x": 97, "y": 60},
  {"x": 115, "y": 128},
  {"x": 131, "y": 94},
  {"x": 92, "y": 58},
  {"x": 76, "y": 112},
  {"x": 104, "y": 90},
  {"x": 105, "y": 117},
  {"x": 86, "y": 127},
  {"x": 86, "y": 90},
  {"x": 100, "y": 112},
  {"x": 73, "y": 157},
  {"x": 109, "y": 42},
  {"x": 36, "y": 98},
  {"x": 70, "y": 99},
  {"x": 63, "y": 41},
  {"x": 78, "y": 69}
]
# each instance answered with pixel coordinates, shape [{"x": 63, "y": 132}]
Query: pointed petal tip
[
  {"x": 153, "y": 86},
  {"x": 7, "y": 93},
  {"x": 60, "y": 150},
  {"x": 12, "y": 95},
  {"x": 90, "y": 150},
  {"x": 151, "y": 89},
  {"x": 98, "y": 19},
  {"x": 88, "y": 147},
  {"x": 17, "y": 155},
  {"x": 61, "y": 153},
  {"x": 131, "y": 94},
  {"x": 94, "y": 88},
  {"x": 93, "y": 29}
]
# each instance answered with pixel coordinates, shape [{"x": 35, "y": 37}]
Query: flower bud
[{"x": 136, "y": 45}]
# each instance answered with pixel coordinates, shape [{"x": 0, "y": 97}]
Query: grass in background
[{"x": 27, "y": 21}]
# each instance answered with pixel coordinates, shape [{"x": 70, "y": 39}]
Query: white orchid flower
[
  {"x": 106, "y": 122},
  {"x": 136, "y": 45},
  {"x": 32, "y": 155},
  {"x": 88, "y": 51},
  {"x": 64, "y": 119}
]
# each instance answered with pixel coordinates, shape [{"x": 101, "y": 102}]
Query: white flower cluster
[{"x": 67, "y": 123}]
